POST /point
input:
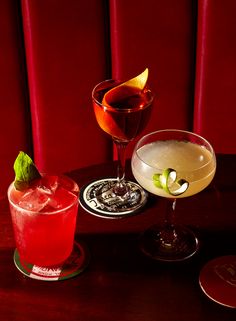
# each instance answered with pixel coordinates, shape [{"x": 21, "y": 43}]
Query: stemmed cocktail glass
[
  {"x": 122, "y": 110},
  {"x": 172, "y": 164}
]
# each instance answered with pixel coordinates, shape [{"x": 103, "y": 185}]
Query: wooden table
[{"x": 120, "y": 283}]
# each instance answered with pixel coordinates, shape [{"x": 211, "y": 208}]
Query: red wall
[
  {"x": 14, "y": 107},
  {"x": 53, "y": 53},
  {"x": 215, "y": 93}
]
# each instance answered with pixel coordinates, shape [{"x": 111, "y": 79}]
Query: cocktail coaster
[
  {"x": 98, "y": 199},
  {"x": 218, "y": 280},
  {"x": 73, "y": 266}
]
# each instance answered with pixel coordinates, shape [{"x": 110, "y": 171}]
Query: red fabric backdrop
[{"x": 54, "y": 52}]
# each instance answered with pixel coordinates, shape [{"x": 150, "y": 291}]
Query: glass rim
[
  {"x": 123, "y": 110},
  {"x": 211, "y": 150},
  {"x": 17, "y": 206}
]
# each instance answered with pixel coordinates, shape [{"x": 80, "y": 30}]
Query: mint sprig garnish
[
  {"x": 168, "y": 179},
  {"x": 25, "y": 171}
]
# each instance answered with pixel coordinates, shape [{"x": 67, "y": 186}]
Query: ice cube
[
  {"x": 45, "y": 190},
  {"x": 34, "y": 200},
  {"x": 61, "y": 198},
  {"x": 67, "y": 183},
  {"x": 48, "y": 184}
]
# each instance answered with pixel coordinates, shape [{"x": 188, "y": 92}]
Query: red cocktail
[
  {"x": 127, "y": 110},
  {"x": 122, "y": 110},
  {"x": 44, "y": 219}
]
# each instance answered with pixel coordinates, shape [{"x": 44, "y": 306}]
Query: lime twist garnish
[
  {"x": 25, "y": 171},
  {"x": 169, "y": 183}
]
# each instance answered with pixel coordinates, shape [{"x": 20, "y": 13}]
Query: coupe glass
[
  {"x": 123, "y": 120},
  {"x": 172, "y": 164}
]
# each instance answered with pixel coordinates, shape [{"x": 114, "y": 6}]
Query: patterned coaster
[
  {"x": 218, "y": 280},
  {"x": 73, "y": 266},
  {"x": 98, "y": 199}
]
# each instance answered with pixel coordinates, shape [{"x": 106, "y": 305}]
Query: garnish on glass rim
[
  {"x": 138, "y": 82},
  {"x": 168, "y": 179},
  {"x": 25, "y": 171}
]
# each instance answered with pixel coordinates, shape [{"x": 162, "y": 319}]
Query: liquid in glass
[{"x": 44, "y": 219}]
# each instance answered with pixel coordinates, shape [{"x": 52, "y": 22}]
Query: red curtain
[
  {"x": 54, "y": 52},
  {"x": 190, "y": 48}
]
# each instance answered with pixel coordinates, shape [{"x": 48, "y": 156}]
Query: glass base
[
  {"x": 184, "y": 246},
  {"x": 73, "y": 266},
  {"x": 98, "y": 199}
]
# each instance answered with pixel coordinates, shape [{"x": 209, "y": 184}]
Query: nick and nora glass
[{"x": 123, "y": 117}]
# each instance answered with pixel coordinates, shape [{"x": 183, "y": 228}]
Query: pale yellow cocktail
[
  {"x": 172, "y": 164},
  {"x": 191, "y": 161}
]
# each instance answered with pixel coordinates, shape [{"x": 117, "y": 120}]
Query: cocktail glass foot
[
  {"x": 174, "y": 245},
  {"x": 100, "y": 199}
]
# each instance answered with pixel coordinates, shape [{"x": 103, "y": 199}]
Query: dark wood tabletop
[{"x": 120, "y": 283}]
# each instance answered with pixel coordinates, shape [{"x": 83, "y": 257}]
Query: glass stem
[
  {"x": 120, "y": 188},
  {"x": 168, "y": 235}
]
